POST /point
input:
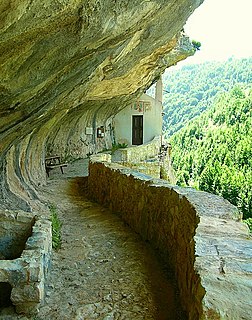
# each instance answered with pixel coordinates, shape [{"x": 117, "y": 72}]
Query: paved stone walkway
[{"x": 103, "y": 270}]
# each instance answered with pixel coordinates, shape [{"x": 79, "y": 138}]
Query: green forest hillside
[
  {"x": 214, "y": 152},
  {"x": 192, "y": 89}
]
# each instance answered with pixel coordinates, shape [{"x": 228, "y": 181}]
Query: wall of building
[{"x": 152, "y": 120}]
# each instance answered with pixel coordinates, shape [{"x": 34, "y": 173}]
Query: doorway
[
  {"x": 137, "y": 130},
  {"x": 5, "y": 294}
]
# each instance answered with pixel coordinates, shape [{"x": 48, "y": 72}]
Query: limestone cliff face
[{"x": 67, "y": 65}]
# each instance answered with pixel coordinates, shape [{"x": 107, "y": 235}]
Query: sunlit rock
[{"x": 67, "y": 65}]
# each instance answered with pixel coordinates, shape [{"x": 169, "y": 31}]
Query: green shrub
[
  {"x": 196, "y": 44},
  {"x": 56, "y": 228},
  {"x": 249, "y": 223},
  {"x": 116, "y": 146}
]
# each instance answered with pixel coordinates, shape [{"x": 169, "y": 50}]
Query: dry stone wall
[
  {"x": 160, "y": 214},
  {"x": 14, "y": 231},
  {"x": 147, "y": 167},
  {"x": 25, "y": 274},
  {"x": 189, "y": 228}
]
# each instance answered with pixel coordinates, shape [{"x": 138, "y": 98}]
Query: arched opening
[{"x": 5, "y": 295}]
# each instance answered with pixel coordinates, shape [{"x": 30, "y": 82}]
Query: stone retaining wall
[
  {"x": 26, "y": 274},
  {"x": 188, "y": 228},
  {"x": 161, "y": 215}
]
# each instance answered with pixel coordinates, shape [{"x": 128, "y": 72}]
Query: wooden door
[{"x": 137, "y": 130}]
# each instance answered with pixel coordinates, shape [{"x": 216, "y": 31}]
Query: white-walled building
[{"x": 140, "y": 122}]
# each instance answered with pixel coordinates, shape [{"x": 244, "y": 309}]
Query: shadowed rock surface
[
  {"x": 103, "y": 269},
  {"x": 67, "y": 65}
]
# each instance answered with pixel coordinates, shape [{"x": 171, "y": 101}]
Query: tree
[
  {"x": 196, "y": 44},
  {"x": 214, "y": 151}
]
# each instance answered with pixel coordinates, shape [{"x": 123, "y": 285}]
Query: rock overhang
[{"x": 71, "y": 64}]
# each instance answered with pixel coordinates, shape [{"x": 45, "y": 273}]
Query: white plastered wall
[{"x": 152, "y": 120}]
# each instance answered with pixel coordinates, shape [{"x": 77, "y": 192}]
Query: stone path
[{"x": 103, "y": 270}]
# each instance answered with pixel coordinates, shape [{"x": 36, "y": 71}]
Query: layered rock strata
[{"x": 68, "y": 65}]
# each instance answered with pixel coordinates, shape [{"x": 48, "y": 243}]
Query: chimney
[{"x": 159, "y": 91}]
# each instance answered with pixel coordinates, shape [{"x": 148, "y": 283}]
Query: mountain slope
[
  {"x": 214, "y": 152},
  {"x": 192, "y": 89}
]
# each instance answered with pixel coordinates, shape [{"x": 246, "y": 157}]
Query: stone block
[
  {"x": 33, "y": 292},
  {"x": 4, "y": 275},
  {"x": 17, "y": 277},
  {"x": 34, "y": 272},
  {"x": 28, "y": 308},
  {"x": 27, "y": 274},
  {"x": 25, "y": 217}
]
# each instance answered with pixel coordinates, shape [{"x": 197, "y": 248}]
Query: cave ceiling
[{"x": 62, "y": 61}]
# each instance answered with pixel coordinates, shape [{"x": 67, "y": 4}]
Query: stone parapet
[
  {"x": 151, "y": 168},
  {"x": 26, "y": 273},
  {"x": 198, "y": 234},
  {"x": 139, "y": 153}
]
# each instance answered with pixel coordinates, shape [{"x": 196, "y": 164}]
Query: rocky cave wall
[{"x": 67, "y": 65}]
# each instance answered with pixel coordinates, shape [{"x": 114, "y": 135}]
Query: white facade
[{"x": 146, "y": 112}]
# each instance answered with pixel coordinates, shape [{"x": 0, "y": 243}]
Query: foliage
[
  {"x": 196, "y": 44},
  {"x": 193, "y": 88},
  {"x": 56, "y": 228},
  {"x": 214, "y": 152},
  {"x": 116, "y": 146},
  {"x": 249, "y": 224}
]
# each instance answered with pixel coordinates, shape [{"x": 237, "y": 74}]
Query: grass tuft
[{"x": 56, "y": 228}]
